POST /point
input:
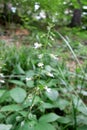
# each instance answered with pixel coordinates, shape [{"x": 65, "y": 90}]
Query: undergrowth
[{"x": 38, "y": 91}]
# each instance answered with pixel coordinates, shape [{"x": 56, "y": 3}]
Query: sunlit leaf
[
  {"x": 64, "y": 120},
  {"x": 5, "y": 127},
  {"x": 44, "y": 126},
  {"x": 18, "y": 94},
  {"x": 52, "y": 94},
  {"x": 30, "y": 83},
  {"x": 49, "y": 117},
  {"x": 17, "y": 82},
  {"x": 12, "y": 107}
]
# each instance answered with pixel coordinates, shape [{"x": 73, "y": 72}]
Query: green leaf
[
  {"x": 81, "y": 119},
  {"x": 82, "y": 127},
  {"x": 52, "y": 94},
  {"x": 11, "y": 119},
  {"x": 18, "y": 70},
  {"x": 5, "y": 127},
  {"x": 48, "y": 68},
  {"x": 30, "y": 73},
  {"x": 2, "y": 116},
  {"x": 64, "y": 120},
  {"x": 12, "y": 107},
  {"x": 5, "y": 96},
  {"x": 17, "y": 82},
  {"x": 83, "y": 109},
  {"x": 26, "y": 126},
  {"x": 18, "y": 94},
  {"x": 47, "y": 105},
  {"x": 44, "y": 126},
  {"x": 49, "y": 117},
  {"x": 30, "y": 83},
  {"x": 2, "y": 92},
  {"x": 61, "y": 103}
]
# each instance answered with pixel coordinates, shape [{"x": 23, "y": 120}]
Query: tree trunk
[{"x": 76, "y": 19}]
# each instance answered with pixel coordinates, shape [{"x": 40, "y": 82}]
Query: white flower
[
  {"x": 51, "y": 38},
  {"x": 54, "y": 56},
  {"x": 36, "y": 6},
  {"x": 47, "y": 89},
  {"x": 84, "y": 7},
  {"x": 13, "y": 9},
  {"x": 66, "y": 11},
  {"x": 2, "y": 81},
  {"x": 18, "y": 118},
  {"x": 42, "y": 14},
  {"x": 1, "y": 75},
  {"x": 28, "y": 79},
  {"x": 49, "y": 74},
  {"x": 37, "y": 45},
  {"x": 37, "y": 17},
  {"x": 40, "y": 65},
  {"x": 22, "y": 123},
  {"x": 40, "y": 56}
]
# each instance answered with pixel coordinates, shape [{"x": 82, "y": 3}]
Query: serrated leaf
[
  {"x": 44, "y": 126},
  {"x": 18, "y": 94},
  {"x": 5, "y": 127},
  {"x": 49, "y": 117},
  {"x": 52, "y": 94},
  {"x": 12, "y": 107}
]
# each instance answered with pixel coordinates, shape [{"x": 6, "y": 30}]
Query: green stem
[{"x": 74, "y": 116}]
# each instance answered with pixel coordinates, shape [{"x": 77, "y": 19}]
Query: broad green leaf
[
  {"x": 82, "y": 109},
  {"x": 2, "y": 116},
  {"x": 64, "y": 120},
  {"x": 12, "y": 118},
  {"x": 47, "y": 105},
  {"x": 5, "y": 127},
  {"x": 26, "y": 126},
  {"x": 30, "y": 73},
  {"x": 5, "y": 96},
  {"x": 61, "y": 103},
  {"x": 17, "y": 82},
  {"x": 2, "y": 92},
  {"x": 49, "y": 117},
  {"x": 81, "y": 119},
  {"x": 52, "y": 94},
  {"x": 12, "y": 107},
  {"x": 44, "y": 126},
  {"x": 18, "y": 94},
  {"x": 30, "y": 83}
]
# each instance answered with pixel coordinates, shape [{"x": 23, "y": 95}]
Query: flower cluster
[{"x": 37, "y": 45}]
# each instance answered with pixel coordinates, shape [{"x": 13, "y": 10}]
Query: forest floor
[{"x": 17, "y": 35}]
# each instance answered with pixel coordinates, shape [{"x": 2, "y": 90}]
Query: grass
[{"x": 39, "y": 88}]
